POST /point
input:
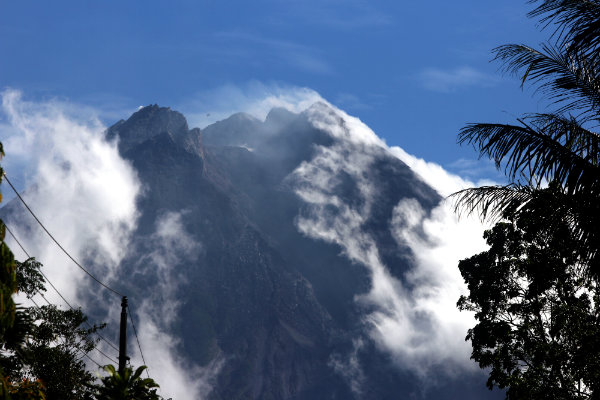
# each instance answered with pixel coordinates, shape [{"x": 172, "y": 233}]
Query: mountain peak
[
  {"x": 279, "y": 116},
  {"x": 146, "y": 123}
]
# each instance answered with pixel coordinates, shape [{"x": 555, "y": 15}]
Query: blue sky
[{"x": 414, "y": 72}]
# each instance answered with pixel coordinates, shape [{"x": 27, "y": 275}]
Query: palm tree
[
  {"x": 560, "y": 146},
  {"x": 128, "y": 385}
]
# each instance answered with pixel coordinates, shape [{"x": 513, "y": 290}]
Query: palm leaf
[
  {"x": 577, "y": 24},
  {"x": 580, "y": 210},
  {"x": 571, "y": 82},
  {"x": 490, "y": 202},
  {"x": 545, "y": 146}
]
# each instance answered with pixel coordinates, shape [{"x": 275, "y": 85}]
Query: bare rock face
[{"x": 147, "y": 123}]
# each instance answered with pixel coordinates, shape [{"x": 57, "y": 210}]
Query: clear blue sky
[{"x": 415, "y": 72}]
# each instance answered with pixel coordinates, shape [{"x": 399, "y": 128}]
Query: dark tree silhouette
[
  {"x": 538, "y": 314},
  {"x": 535, "y": 292}
]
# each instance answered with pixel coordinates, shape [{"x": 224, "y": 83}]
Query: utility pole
[{"x": 123, "y": 337}]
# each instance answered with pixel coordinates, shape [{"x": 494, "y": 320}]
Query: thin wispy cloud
[
  {"x": 254, "y": 98},
  {"x": 170, "y": 245},
  {"x": 351, "y": 101},
  {"x": 292, "y": 54},
  {"x": 450, "y": 80},
  {"x": 348, "y": 366},
  {"x": 477, "y": 170}
]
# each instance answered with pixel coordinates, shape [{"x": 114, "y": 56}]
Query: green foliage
[
  {"x": 30, "y": 280},
  {"x": 47, "y": 344},
  {"x": 8, "y": 286},
  {"x": 53, "y": 353},
  {"x": 126, "y": 386},
  {"x": 25, "y": 390},
  {"x": 535, "y": 292},
  {"x": 538, "y": 312},
  {"x": 8, "y": 309}
]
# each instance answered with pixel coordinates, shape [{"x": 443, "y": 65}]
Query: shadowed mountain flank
[{"x": 248, "y": 251}]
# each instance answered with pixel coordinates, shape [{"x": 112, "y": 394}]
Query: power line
[
  {"x": 137, "y": 340},
  {"x": 58, "y": 244},
  {"x": 96, "y": 333},
  {"x": 64, "y": 342},
  {"x": 41, "y": 272},
  {"x": 56, "y": 290},
  {"x": 78, "y": 265},
  {"x": 105, "y": 355}
]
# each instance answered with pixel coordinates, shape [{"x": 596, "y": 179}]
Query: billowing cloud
[
  {"x": 413, "y": 317},
  {"x": 85, "y": 194},
  {"x": 440, "y": 178},
  {"x": 420, "y": 324},
  {"x": 77, "y": 184}
]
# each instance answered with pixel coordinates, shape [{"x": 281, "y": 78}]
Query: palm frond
[
  {"x": 571, "y": 82},
  {"x": 577, "y": 24},
  {"x": 490, "y": 202},
  {"x": 580, "y": 211},
  {"x": 545, "y": 146}
]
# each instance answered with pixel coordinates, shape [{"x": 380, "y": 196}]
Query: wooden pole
[{"x": 123, "y": 337}]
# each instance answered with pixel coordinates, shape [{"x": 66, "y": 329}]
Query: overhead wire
[
  {"x": 137, "y": 339},
  {"x": 95, "y": 333},
  {"x": 64, "y": 342},
  {"x": 77, "y": 264},
  {"x": 56, "y": 241},
  {"x": 57, "y": 291}
]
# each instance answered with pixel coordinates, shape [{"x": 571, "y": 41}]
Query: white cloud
[
  {"x": 85, "y": 194},
  {"x": 445, "y": 81},
  {"x": 348, "y": 366},
  {"x": 421, "y": 325},
  {"x": 177, "y": 380},
  {"x": 77, "y": 185},
  {"x": 439, "y": 178},
  {"x": 413, "y": 317}
]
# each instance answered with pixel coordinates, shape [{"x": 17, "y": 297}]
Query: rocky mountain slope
[{"x": 249, "y": 246}]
